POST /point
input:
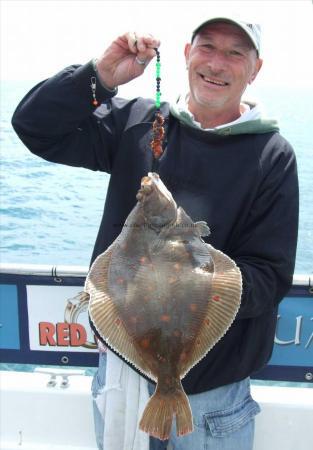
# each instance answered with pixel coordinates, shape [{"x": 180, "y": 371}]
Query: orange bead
[
  {"x": 165, "y": 318},
  {"x": 159, "y": 118}
]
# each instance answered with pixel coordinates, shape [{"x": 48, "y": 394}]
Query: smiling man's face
[{"x": 221, "y": 62}]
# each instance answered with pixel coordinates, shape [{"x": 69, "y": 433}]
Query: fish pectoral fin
[
  {"x": 202, "y": 228},
  {"x": 223, "y": 304},
  {"x": 105, "y": 317}
]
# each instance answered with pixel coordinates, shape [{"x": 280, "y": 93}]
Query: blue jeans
[
  {"x": 223, "y": 418},
  {"x": 98, "y": 383}
]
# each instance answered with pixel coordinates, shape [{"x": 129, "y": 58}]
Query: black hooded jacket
[{"x": 242, "y": 183}]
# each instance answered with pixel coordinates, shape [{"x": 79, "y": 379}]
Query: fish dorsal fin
[
  {"x": 223, "y": 304},
  {"x": 104, "y": 316}
]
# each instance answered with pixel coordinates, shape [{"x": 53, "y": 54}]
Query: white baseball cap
[{"x": 253, "y": 31}]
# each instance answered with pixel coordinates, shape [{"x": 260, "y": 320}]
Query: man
[{"x": 222, "y": 162}]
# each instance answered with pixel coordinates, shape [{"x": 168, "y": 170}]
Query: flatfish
[{"x": 162, "y": 298}]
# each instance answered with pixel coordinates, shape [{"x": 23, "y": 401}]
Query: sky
[{"x": 41, "y": 37}]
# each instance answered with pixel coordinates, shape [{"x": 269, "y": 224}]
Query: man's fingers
[
  {"x": 146, "y": 42},
  {"x": 141, "y": 43},
  {"x": 132, "y": 41},
  {"x": 147, "y": 55}
]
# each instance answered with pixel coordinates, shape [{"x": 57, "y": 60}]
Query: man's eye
[
  {"x": 207, "y": 46},
  {"x": 235, "y": 53}
]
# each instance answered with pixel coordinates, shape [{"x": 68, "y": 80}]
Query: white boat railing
[
  {"x": 81, "y": 271},
  {"x": 44, "y": 270}
]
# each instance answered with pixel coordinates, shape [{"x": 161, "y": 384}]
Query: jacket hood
[{"x": 255, "y": 124}]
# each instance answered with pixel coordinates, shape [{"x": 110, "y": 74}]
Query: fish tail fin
[
  {"x": 184, "y": 424},
  {"x": 158, "y": 415}
]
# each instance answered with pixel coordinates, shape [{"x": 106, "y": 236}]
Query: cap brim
[{"x": 239, "y": 24}]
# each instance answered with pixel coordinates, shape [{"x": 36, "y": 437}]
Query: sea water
[{"x": 50, "y": 213}]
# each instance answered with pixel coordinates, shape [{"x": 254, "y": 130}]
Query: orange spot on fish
[
  {"x": 120, "y": 280},
  {"x": 145, "y": 343},
  {"x": 207, "y": 322},
  {"x": 118, "y": 322},
  {"x": 193, "y": 307},
  {"x": 165, "y": 318},
  {"x": 177, "y": 333},
  {"x": 216, "y": 298},
  {"x": 143, "y": 260}
]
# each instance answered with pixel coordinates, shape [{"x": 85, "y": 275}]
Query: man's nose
[{"x": 217, "y": 62}]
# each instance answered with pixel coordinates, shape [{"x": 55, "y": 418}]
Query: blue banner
[
  {"x": 44, "y": 321},
  {"x": 294, "y": 333},
  {"x": 9, "y": 329}
]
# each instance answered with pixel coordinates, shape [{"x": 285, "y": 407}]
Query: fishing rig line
[{"x": 157, "y": 126}]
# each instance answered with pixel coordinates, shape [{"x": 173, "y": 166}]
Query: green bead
[{"x": 157, "y": 75}]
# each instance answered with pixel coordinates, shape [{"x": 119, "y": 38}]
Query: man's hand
[{"x": 123, "y": 60}]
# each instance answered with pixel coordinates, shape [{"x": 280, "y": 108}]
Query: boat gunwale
[{"x": 81, "y": 271}]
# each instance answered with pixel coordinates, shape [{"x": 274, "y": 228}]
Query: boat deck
[{"x": 35, "y": 416}]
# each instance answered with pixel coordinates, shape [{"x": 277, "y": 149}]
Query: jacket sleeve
[
  {"x": 266, "y": 249},
  {"x": 56, "y": 121}
]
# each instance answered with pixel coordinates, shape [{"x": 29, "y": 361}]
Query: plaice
[{"x": 162, "y": 298}]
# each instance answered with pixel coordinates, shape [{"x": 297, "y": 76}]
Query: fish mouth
[
  {"x": 153, "y": 183},
  {"x": 158, "y": 184},
  {"x": 146, "y": 187},
  {"x": 148, "y": 184}
]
